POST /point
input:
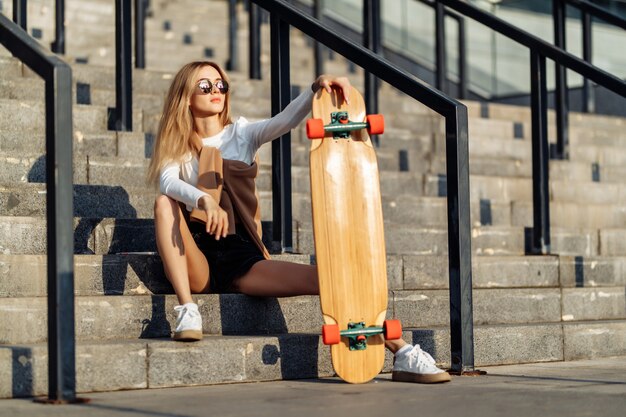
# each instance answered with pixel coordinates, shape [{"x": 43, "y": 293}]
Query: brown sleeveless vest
[{"x": 232, "y": 185}]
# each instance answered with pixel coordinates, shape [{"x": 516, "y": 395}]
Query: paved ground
[{"x": 583, "y": 388}]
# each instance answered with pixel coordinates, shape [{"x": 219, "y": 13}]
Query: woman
[{"x": 206, "y": 161}]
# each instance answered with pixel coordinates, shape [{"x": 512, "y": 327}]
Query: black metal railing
[
  {"x": 59, "y": 205},
  {"x": 58, "y": 46},
  {"x": 539, "y": 51},
  {"x": 457, "y": 156},
  {"x": 141, "y": 10},
  {"x": 19, "y": 13},
  {"x": 441, "y": 65},
  {"x": 589, "y": 10},
  {"x": 123, "y": 113},
  {"x": 561, "y": 101},
  {"x": 254, "y": 47},
  {"x": 371, "y": 40},
  {"x": 372, "y": 29},
  {"x": 232, "y": 64}
]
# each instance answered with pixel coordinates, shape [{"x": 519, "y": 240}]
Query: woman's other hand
[
  {"x": 216, "y": 217},
  {"x": 328, "y": 81}
]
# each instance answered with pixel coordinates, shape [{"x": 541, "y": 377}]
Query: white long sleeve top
[{"x": 238, "y": 141}]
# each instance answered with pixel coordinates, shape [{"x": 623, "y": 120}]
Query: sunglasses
[{"x": 206, "y": 86}]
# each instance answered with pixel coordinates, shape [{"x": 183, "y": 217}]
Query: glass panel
[
  {"x": 420, "y": 24},
  {"x": 349, "y": 12}
]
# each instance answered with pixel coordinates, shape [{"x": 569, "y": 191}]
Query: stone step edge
[
  {"x": 158, "y": 363},
  {"x": 405, "y": 272},
  {"x": 240, "y": 315}
]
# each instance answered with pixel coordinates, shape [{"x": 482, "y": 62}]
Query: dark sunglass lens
[
  {"x": 205, "y": 86},
  {"x": 222, "y": 86}
]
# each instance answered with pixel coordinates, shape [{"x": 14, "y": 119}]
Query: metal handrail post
[
  {"x": 540, "y": 153},
  {"x": 371, "y": 40},
  {"x": 59, "y": 214},
  {"x": 58, "y": 46},
  {"x": 281, "y": 149},
  {"x": 254, "y": 45},
  {"x": 140, "y": 33},
  {"x": 317, "y": 47},
  {"x": 561, "y": 102},
  {"x": 123, "y": 67},
  {"x": 440, "y": 48},
  {"x": 589, "y": 100},
  {"x": 462, "y": 60},
  {"x": 19, "y": 13},
  {"x": 232, "y": 64},
  {"x": 459, "y": 242}
]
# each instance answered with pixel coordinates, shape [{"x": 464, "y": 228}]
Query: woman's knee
[{"x": 164, "y": 206}]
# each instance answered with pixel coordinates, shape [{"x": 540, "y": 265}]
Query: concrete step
[
  {"x": 131, "y": 170},
  {"x": 151, "y": 316},
  {"x": 613, "y": 174},
  {"x": 162, "y": 363},
  {"x": 225, "y": 359},
  {"x": 588, "y": 192},
  {"x": 28, "y": 117},
  {"x": 26, "y": 235},
  {"x": 505, "y": 188},
  {"x": 431, "y": 272},
  {"x": 573, "y": 215},
  {"x": 104, "y": 144},
  {"x": 523, "y": 114},
  {"x": 598, "y": 136},
  {"x": 11, "y": 67},
  {"x": 142, "y": 273},
  {"x": 522, "y": 168},
  {"x": 581, "y": 304},
  {"x": 602, "y": 155},
  {"x": 489, "y": 240},
  {"x": 578, "y": 271},
  {"x": 23, "y": 89},
  {"x": 25, "y": 169},
  {"x": 29, "y": 199},
  {"x": 406, "y": 239}
]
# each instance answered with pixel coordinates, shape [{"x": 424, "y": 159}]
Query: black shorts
[{"x": 229, "y": 258}]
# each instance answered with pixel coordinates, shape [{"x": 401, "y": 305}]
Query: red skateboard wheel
[
  {"x": 330, "y": 334},
  {"x": 392, "y": 329},
  {"x": 315, "y": 128},
  {"x": 376, "y": 124}
]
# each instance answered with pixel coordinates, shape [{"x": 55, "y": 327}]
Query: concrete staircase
[{"x": 566, "y": 306}]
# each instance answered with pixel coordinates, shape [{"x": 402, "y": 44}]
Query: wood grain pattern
[{"x": 349, "y": 235}]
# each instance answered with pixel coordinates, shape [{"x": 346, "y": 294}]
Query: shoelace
[
  {"x": 415, "y": 353},
  {"x": 185, "y": 311}
]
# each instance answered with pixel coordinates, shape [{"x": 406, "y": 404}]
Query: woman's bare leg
[
  {"x": 285, "y": 279},
  {"x": 185, "y": 266},
  {"x": 278, "y": 279}
]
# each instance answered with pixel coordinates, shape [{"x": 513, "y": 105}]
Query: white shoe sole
[
  {"x": 401, "y": 376},
  {"x": 188, "y": 336}
]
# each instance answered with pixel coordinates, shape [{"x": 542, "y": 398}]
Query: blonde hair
[{"x": 175, "y": 137}]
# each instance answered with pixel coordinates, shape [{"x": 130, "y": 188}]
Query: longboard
[{"x": 349, "y": 235}]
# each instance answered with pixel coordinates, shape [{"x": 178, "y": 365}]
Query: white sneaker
[
  {"x": 415, "y": 365},
  {"x": 188, "y": 323}
]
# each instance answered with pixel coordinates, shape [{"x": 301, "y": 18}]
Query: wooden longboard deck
[{"x": 349, "y": 235}]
